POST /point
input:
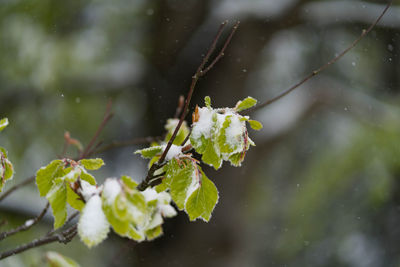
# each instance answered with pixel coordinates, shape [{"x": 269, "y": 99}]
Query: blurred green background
[{"x": 321, "y": 188}]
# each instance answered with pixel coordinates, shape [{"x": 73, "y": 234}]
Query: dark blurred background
[{"x": 321, "y": 188}]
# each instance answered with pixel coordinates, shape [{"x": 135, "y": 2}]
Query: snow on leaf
[
  {"x": 245, "y": 104},
  {"x": 92, "y": 164},
  {"x": 87, "y": 190},
  {"x": 93, "y": 226},
  {"x": 3, "y": 124},
  {"x": 111, "y": 190},
  {"x": 150, "y": 152},
  {"x": 173, "y": 152}
]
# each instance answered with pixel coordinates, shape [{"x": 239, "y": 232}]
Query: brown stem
[
  {"x": 323, "y": 67},
  {"x": 135, "y": 141},
  {"x": 17, "y": 186},
  {"x": 63, "y": 237},
  {"x": 70, "y": 218},
  {"x": 107, "y": 116},
  {"x": 25, "y": 226},
  {"x": 221, "y": 53}
]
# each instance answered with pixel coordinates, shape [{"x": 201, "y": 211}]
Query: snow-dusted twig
[
  {"x": 27, "y": 225},
  {"x": 323, "y": 67}
]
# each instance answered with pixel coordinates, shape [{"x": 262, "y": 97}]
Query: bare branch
[
  {"x": 221, "y": 53},
  {"x": 323, "y": 67},
  {"x": 70, "y": 218},
  {"x": 135, "y": 141},
  {"x": 26, "y": 226},
  {"x": 17, "y": 186},
  {"x": 63, "y": 237},
  {"x": 107, "y": 116}
]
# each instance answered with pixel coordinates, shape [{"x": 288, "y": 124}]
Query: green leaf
[
  {"x": 245, "y": 104},
  {"x": 55, "y": 259},
  {"x": 119, "y": 226},
  {"x": 9, "y": 169},
  {"x": 181, "y": 179},
  {"x": 255, "y": 125},
  {"x": 207, "y": 100},
  {"x": 74, "y": 200},
  {"x": 150, "y": 152},
  {"x": 88, "y": 178},
  {"x": 236, "y": 159},
  {"x": 3, "y": 124},
  {"x": 202, "y": 201},
  {"x": 46, "y": 175},
  {"x": 129, "y": 182},
  {"x": 92, "y": 164},
  {"x": 4, "y": 151},
  {"x": 134, "y": 234},
  {"x": 154, "y": 233},
  {"x": 120, "y": 207},
  {"x": 57, "y": 197},
  {"x": 6, "y": 168}
]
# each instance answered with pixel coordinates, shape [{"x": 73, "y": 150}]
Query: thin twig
[
  {"x": 63, "y": 237},
  {"x": 70, "y": 218},
  {"x": 222, "y": 52},
  {"x": 17, "y": 186},
  {"x": 26, "y": 226},
  {"x": 187, "y": 137},
  {"x": 135, "y": 141},
  {"x": 107, "y": 116},
  {"x": 323, "y": 67},
  {"x": 179, "y": 108},
  {"x": 199, "y": 72}
]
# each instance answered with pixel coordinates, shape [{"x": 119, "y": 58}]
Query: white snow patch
[
  {"x": 111, "y": 190},
  {"x": 150, "y": 194},
  {"x": 163, "y": 204},
  {"x": 204, "y": 124},
  {"x": 173, "y": 152},
  {"x": 167, "y": 211},
  {"x": 29, "y": 222},
  {"x": 93, "y": 226},
  {"x": 88, "y": 190},
  {"x": 156, "y": 221},
  {"x": 234, "y": 131}
]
